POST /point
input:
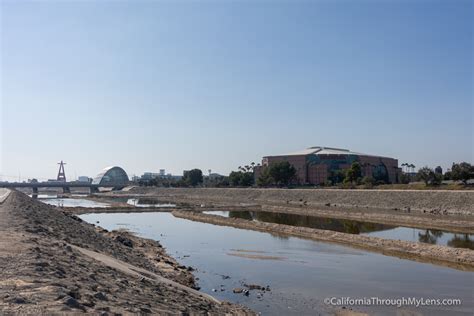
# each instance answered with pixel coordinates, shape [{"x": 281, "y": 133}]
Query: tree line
[
  {"x": 281, "y": 174},
  {"x": 459, "y": 172}
]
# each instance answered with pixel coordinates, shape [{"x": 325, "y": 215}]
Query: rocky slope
[{"x": 54, "y": 263}]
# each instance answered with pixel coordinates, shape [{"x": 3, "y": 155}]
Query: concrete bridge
[
  {"x": 111, "y": 177},
  {"x": 66, "y": 186}
]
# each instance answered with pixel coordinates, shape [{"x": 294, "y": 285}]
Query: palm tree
[
  {"x": 430, "y": 236},
  {"x": 462, "y": 241}
]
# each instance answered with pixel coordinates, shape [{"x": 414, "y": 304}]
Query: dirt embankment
[
  {"x": 418, "y": 201},
  {"x": 52, "y": 262},
  {"x": 448, "y": 223},
  {"x": 458, "y": 258}
]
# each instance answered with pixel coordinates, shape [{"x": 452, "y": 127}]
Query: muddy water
[
  {"x": 431, "y": 236},
  {"x": 300, "y": 273}
]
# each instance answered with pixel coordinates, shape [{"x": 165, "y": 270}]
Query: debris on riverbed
[{"x": 238, "y": 290}]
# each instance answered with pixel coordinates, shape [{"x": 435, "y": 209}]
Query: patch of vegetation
[
  {"x": 353, "y": 174},
  {"x": 462, "y": 172},
  {"x": 429, "y": 176},
  {"x": 244, "y": 177},
  {"x": 193, "y": 177},
  {"x": 279, "y": 174}
]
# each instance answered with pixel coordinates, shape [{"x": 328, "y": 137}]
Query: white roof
[{"x": 320, "y": 150}]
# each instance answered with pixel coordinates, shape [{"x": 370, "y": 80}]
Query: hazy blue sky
[{"x": 213, "y": 85}]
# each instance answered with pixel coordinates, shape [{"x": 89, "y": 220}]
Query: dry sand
[
  {"x": 446, "y": 202},
  {"x": 54, "y": 263}
]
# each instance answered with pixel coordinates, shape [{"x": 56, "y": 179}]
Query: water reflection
[
  {"x": 311, "y": 271},
  {"x": 429, "y": 236},
  {"x": 340, "y": 225},
  {"x": 461, "y": 241}
]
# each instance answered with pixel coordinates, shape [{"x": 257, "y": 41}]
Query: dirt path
[
  {"x": 142, "y": 273},
  {"x": 54, "y": 263},
  {"x": 3, "y": 194}
]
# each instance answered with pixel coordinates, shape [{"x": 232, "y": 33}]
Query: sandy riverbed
[
  {"x": 416, "y": 201},
  {"x": 53, "y": 262}
]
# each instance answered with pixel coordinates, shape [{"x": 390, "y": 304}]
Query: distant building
[
  {"x": 316, "y": 165},
  {"x": 84, "y": 179},
  {"x": 149, "y": 176},
  {"x": 214, "y": 175}
]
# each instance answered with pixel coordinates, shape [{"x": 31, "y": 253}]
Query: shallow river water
[
  {"x": 300, "y": 273},
  {"x": 430, "y": 236},
  {"x": 67, "y": 202}
]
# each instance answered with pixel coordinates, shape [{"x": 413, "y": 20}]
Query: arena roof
[{"x": 320, "y": 150}]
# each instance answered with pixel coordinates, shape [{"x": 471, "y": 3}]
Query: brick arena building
[{"x": 317, "y": 165}]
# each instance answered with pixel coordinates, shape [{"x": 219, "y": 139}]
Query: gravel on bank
[
  {"x": 458, "y": 258},
  {"x": 43, "y": 274}
]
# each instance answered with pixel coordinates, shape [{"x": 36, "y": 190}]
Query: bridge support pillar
[
  {"x": 66, "y": 190},
  {"x": 94, "y": 190},
  {"x": 35, "y": 193}
]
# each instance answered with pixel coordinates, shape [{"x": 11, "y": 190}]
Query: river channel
[{"x": 300, "y": 273}]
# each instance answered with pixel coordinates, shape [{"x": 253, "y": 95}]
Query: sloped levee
[{"x": 437, "y": 201}]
